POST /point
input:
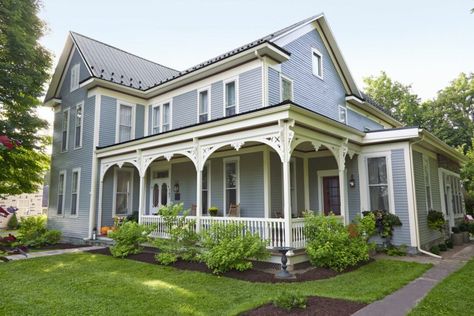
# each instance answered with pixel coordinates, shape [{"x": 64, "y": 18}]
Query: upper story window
[
  {"x": 427, "y": 179},
  {"x": 230, "y": 97},
  {"x": 378, "y": 183},
  {"x": 203, "y": 105},
  {"x": 161, "y": 118},
  {"x": 342, "y": 114},
  {"x": 286, "y": 89},
  {"x": 78, "y": 122},
  {"x": 65, "y": 131},
  {"x": 75, "y": 71},
  {"x": 317, "y": 58},
  {"x": 125, "y": 120}
]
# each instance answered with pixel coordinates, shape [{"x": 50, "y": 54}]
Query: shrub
[
  {"x": 213, "y": 211},
  {"x": 133, "y": 217},
  {"x": 366, "y": 225},
  {"x": 442, "y": 247},
  {"x": 435, "y": 250},
  {"x": 385, "y": 222},
  {"x": 330, "y": 245},
  {"x": 128, "y": 238},
  {"x": 464, "y": 226},
  {"x": 183, "y": 240},
  {"x": 449, "y": 244},
  {"x": 435, "y": 220},
  {"x": 13, "y": 222},
  {"x": 231, "y": 246},
  {"x": 32, "y": 232},
  {"x": 471, "y": 228},
  {"x": 455, "y": 230},
  {"x": 396, "y": 251},
  {"x": 290, "y": 300}
]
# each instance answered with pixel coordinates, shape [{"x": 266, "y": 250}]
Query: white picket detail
[{"x": 298, "y": 238}]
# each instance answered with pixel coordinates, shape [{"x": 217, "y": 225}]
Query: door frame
[
  {"x": 321, "y": 174},
  {"x": 166, "y": 180}
]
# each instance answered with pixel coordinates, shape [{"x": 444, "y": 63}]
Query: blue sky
[{"x": 423, "y": 43}]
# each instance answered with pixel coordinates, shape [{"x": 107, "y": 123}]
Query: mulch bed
[
  {"x": 321, "y": 306},
  {"x": 253, "y": 275}
]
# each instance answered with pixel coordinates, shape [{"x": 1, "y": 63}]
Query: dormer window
[
  {"x": 75, "y": 70},
  {"x": 317, "y": 63}
]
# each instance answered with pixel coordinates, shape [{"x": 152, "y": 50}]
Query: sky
[{"x": 425, "y": 43}]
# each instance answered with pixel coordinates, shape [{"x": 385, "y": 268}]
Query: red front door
[{"x": 332, "y": 202}]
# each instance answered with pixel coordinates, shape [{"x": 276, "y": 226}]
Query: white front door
[{"x": 159, "y": 190}]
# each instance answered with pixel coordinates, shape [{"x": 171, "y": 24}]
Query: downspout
[{"x": 417, "y": 231}]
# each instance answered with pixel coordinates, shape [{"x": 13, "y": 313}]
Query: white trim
[
  {"x": 160, "y": 105},
  {"x": 67, "y": 130},
  {"x": 117, "y": 120},
  {"x": 81, "y": 105},
  {"x": 237, "y": 101},
  {"x": 320, "y": 66},
  {"x": 159, "y": 167},
  {"x": 235, "y": 159},
  {"x": 321, "y": 174},
  {"x": 266, "y": 183},
  {"x": 146, "y": 128},
  {"x": 283, "y": 77},
  {"x": 62, "y": 172},
  {"x": 341, "y": 110},
  {"x": 410, "y": 194},
  {"x": 114, "y": 196},
  {"x": 295, "y": 33},
  {"x": 74, "y": 77},
  {"x": 306, "y": 183},
  {"x": 294, "y": 194},
  {"x": 78, "y": 192},
  {"x": 209, "y": 116}
]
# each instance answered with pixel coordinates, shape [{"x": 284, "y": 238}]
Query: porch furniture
[{"x": 234, "y": 210}]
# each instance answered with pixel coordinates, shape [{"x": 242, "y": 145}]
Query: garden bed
[
  {"x": 321, "y": 306},
  {"x": 253, "y": 275}
]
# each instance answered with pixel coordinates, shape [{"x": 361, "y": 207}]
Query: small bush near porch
[{"x": 87, "y": 284}]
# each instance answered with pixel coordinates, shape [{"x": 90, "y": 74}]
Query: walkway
[
  {"x": 47, "y": 253},
  {"x": 402, "y": 301}
]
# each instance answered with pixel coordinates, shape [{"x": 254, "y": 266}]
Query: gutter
[{"x": 417, "y": 231}]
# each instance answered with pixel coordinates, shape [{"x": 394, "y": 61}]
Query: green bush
[
  {"x": 183, "y": 240},
  {"x": 128, "y": 239},
  {"x": 385, "y": 222},
  {"x": 471, "y": 228},
  {"x": 290, "y": 300},
  {"x": 32, "y": 232},
  {"x": 13, "y": 222},
  {"x": 331, "y": 245},
  {"x": 442, "y": 247},
  {"x": 436, "y": 220},
  {"x": 464, "y": 226},
  {"x": 231, "y": 246},
  {"x": 213, "y": 210},
  {"x": 435, "y": 250},
  {"x": 396, "y": 251}
]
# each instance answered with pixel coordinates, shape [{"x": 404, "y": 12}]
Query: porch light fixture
[
  {"x": 176, "y": 188},
  {"x": 352, "y": 182}
]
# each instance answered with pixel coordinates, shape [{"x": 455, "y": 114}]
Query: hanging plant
[{"x": 436, "y": 220}]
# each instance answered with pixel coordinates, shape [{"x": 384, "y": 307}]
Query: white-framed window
[
  {"x": 342, "y": 114},
  {"x": 75, "y": 190},
  {"x": 231, "y": 99},
  {"x": 123, "y": 191},
  {"x": 161, "y": 117},
  {"x": 61, "y": 190},
  {"x": 206, "y": 187},
  {"x": 75, "y": 72},
  {"x": 204, "y": 105},
  {"x": 125, "y": 122},
  {"x": 286, "y": 88},
  {"x": 317, "y": 59},
  {"x": 231, "y": 182},
  {"x": 65, "y": 131},
  {"x": 427, "y": 181},
  {"x": 378, "y": 183},
  {"x": 78, "y": 123}
]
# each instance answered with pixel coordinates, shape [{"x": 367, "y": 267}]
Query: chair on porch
[
  {"x": 193, "y": 210},
  {"x": 234, "y": 210}
]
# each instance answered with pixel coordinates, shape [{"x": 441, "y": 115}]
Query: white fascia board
[{"x": 390, "y": 135}]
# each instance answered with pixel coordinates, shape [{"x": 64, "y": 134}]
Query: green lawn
[
  {"x": 86, "y": 284},
  {"x": 453, "y": 296}
]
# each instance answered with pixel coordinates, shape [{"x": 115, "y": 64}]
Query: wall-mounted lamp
[
  {"x": 352, "y": 182},
  {"x": 176, "y": 188}
]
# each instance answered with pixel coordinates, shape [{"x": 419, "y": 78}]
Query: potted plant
[
  {"x": 464, "y": 228},
  {"x": 213, "y": 211},
  {"x": 457, "y": 236}
]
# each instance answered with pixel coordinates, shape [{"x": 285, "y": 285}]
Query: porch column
[
  {"x": 306, "y": 183},
  {"x": 99, "y": 206},
  {"x": 266, "y": 183},
  {"x": 141, "y": 198},
  {"x": 287, "y": 202},
  {"x": 198, "y": 199},
  {"x": 342, "y": 194}
]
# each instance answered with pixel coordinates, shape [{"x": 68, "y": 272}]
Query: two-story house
[{"x": 263, "y": 133}]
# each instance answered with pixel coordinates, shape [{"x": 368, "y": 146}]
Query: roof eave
[{"x": 354, "y": 100}]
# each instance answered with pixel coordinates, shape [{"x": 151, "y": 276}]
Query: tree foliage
[{"x": 24, "y": 66}]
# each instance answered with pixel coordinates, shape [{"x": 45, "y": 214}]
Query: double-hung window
[
  {"x": 78, "y": 122},
  {"x": 286, "y": 89},
  {"x": 76, "y": 179},
  {"x": 231, "y": 174},
  {"x": 123, "y": 191},
  {"x": 378, "y": 183},
  {"x": 61, "y": 190},
  {"x": 161, "y": 118},
  {"x": 230, "y": 97},
  {"x": 317, "y": 59},
  {"x": 203, "y": 105},
  {"x": 166, "y": 117},
  {"x": 125, "y": 122},
  {"x": 65, "y": 131},
  {"x": 156, "y": 119},
  {"x": 75, "y": 71},
  {"x": 427, "y": 179}
]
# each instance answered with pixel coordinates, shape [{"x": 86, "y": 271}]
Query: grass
[
  {"x": 452, "y": 296},
  {"x": 87, "y": 284}
]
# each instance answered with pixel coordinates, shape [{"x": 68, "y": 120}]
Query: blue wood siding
[
  {"x": 108, "y": 117},
  {"x": 217, "y": 100},
  {"x": 353, "y": 194},
  {"x": 185, "y": 109},
  {"x": 250, "y": 90},
  {"x": 251, "y": 185},
  {"x": 185, "y": 175},
  {"x": 274, "y": 95},
  {"x": 140, "y": 119},
  {"x": 361, "y": 122}
]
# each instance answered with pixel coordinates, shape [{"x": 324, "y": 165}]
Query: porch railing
[{"x": 269, "y": 229}]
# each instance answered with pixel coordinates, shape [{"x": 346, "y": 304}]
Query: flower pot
[
  {"x": 458, "y": 239},
  {"x": 466, "y": 237},
  {"x": 104, "y": 230}
]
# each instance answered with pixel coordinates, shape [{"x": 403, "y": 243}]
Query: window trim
[
  {"x": 283, "y": 77},
  {"x": 237, "y": 101},
  {"x": 67, "y": 130},
  {"x": 78, "y": 170},
  {"x": 226, "y": 160},
  {"x": 81, "y": 105},
  {"x": 426, "y": 163},
  {"x": 160, "y": 105},
  {"x": 63, "y": 211},
  {"x": 117, "y": 120},
  {"x": 341, "y": 107},
  {"x": 74, "y": 77},
  {"x": 209, "y": 195},
  {"x": 114, "y": 196},
  {"x": 321, "y": 63},
  {"x": 208, "y": 89}
]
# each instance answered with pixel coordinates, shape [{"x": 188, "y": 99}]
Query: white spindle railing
[{"x": 270, "y": 229}]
